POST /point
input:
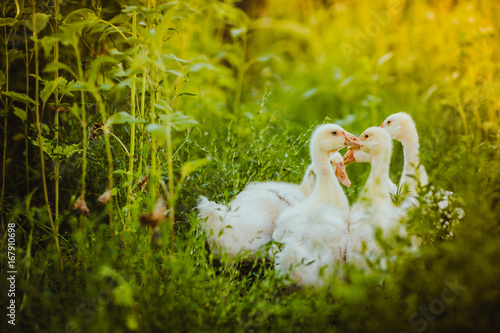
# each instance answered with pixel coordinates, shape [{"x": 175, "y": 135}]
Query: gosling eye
[
  {"x": 334, "y": 133},
  {"x": 388, "y": 121},
  {"x": 366, "y": 135}
]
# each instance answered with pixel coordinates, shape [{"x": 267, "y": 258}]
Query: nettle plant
[{"x": 88, "y": 63}]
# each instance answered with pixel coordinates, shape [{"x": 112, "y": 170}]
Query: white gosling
[
  {"x": 247, "y": 223},
  {"x": 355, "y": 154},
  {"x": 374, "y": 207},
  {"x": 309, "y": 180},
  {"x": 313, "y": 234},
  {"x": 401, "y": 127}
]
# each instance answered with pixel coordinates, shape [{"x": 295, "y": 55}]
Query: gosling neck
[
  {"x": 327, "y": 189},
  {"x": 377, "y": 184},
  {"x": 411, "y": 148}
]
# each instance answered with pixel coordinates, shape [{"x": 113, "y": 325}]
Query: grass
[{"x": 225, "y": 94}]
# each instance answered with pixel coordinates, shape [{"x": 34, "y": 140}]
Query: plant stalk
[
  {"x": 26, "y": 109},
  {"x": 40, "y": 142},
  {"x": 132, "y": 126},
  {"x": 171, "y": 198},
  {"x": 83, "y": 120},
  {"x": 57, "y": 162},
  {"x": 6, "y": 104},
  {"x": 102, "y": 110}
]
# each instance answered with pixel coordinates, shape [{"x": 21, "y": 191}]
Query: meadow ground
[{"x": 153, "y": 99}]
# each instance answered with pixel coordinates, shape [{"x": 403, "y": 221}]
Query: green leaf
[
  {"x": 232, "y": 58},
  {"x": 346, "y": 81},
  {"x": 49, "y": 88},
  {"x": 162, "y": 104},
  {"x": 20, "y": 113},
  {"x": 310, "y": 93},
  {"x": 268, "y": 57},
  {"x": 77, "y": 85},
  {"x": 81, "y": 15},
  {"x": 161, "y": 33},
  {"x": 75, "y": 111},
  {"x": 75, "y": 23},
  {"x": 180, "y": 121},
  {"x": 48, "y": 43},
  {"x": 23, "y": 98},
  {"x": 383, "y": 59},
  {"x": 96, "y": 66},
  {"x": 432, "y": 89},
  {"x": 176, "y": 73},
  {"x": 123, "y": 118},
  {"x": 63, "y": 89},
  {"x": 58, "y": 150},
  {"x": 36, "y": 77},
  {"x": 233, "y": 16},
  {"x": 186, "y": 94},
  {"x": 113, "y": 30},
  {"x": 179, "y": 60},
  {"x": 184, "y": 11},
  {"x": 127, "y": 82},
  {"x": 70, "y": 150},
  {"x": 7, "y": 21},
  {"x": 139, "y": 61},
  {"x": 235, "y": 33},
  {"x": 15, "y": 54},
  {"x": 118, "y": 72},
  {"x": 159, "y": 132},
  {"x": 40, "y": 23},
  {"x": 56, "y": 65},
  {"x": 191, "y": 166},
  {"x": 132, "y": 322},
  {"x": 123, "y": 295},
  {"x": 200, "y": 66},
  {"x": 2, "y": 79},
  {"x": 105, "y": 86},
  {"x": 47, "y": 146},
  {"x": 99, "y": 27},
  {"x": 167, "y": 6},
  {"x": 129, "y": 9}
]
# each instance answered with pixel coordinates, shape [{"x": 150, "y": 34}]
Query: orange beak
[
  {"x": 352, "y": 140},
  {"x": 341, "y": 174},
  {"x": 349, "y": 157}
]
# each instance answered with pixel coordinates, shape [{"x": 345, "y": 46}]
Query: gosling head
[
  {"x": 355, "y": 154},
  {"x": 399, "y": 125},
  {"x": 332, "y": 137},
  {"x": 376, "y": 141},
  {"x": 337, "y": 162}
]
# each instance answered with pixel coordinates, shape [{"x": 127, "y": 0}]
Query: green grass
[{"x": 249, "y": 89}]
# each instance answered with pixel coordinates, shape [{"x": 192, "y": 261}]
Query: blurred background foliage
[{"x": 151, "y": 99}]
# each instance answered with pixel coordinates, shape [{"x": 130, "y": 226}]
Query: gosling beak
[
  {"x": 352, "y": 140},
  {"x": 341, "y": 174},
  {"x": 349, "y": 156},
  {"x": 382, "y": 126}
]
